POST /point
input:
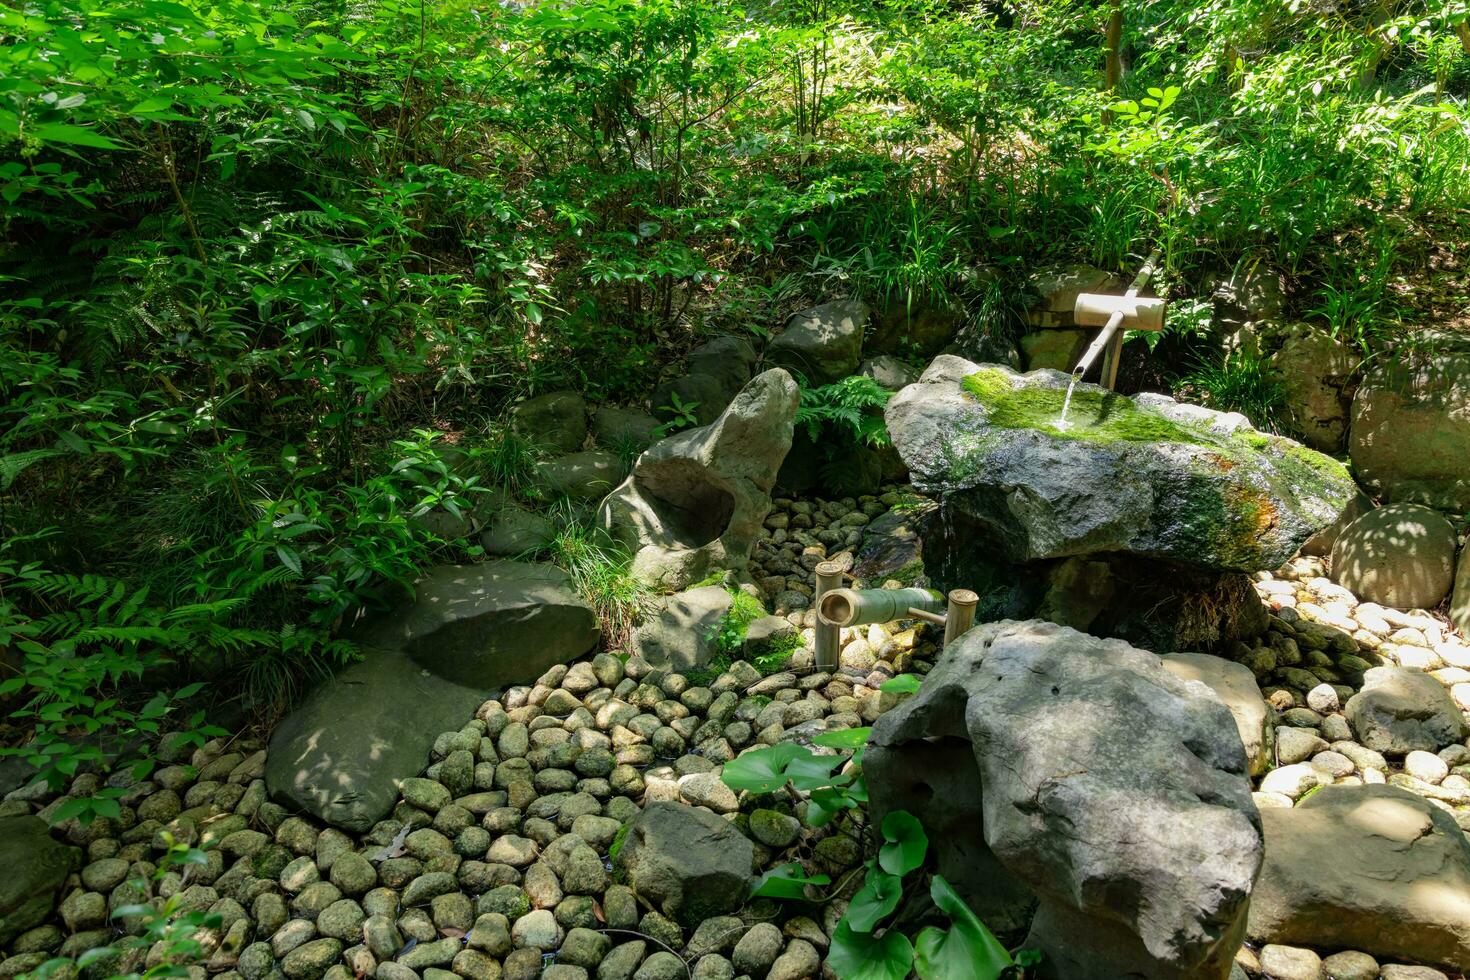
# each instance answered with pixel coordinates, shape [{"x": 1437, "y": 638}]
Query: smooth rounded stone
[
  {"x": 341, "y": 920},
  {"x": 428, "y": 886},
  {"x": 1351, "y": 965},
  {"x": 1334, "y": 764},
  {"x": 1395, "y": 971},
  {"x": 300, "y": 873},
  {"x": 1426, "y": 766},
  {"x": 310, "y": 960},
  {"x": 800, "y": 961},
  {"x": 1401, "y": 556},
  {"x": 584, "y": 948},
  {"x": 452, "y": 911},
  {"x": 1301, "y": 718},
  {"x": 661, "y": 965},
  {"x": 1323, "y": 699},
  {"x": 518, "y": 852},
  {"x": 717, "y": 934},
  {"x": 713, "y": 966},
  {"x": 537, "y": 929},
  {"x": 1235, "y": 686},
  {"x": 312, "y": 899},
  {"x": 542, "y": 886},
  {"x": 1290, "y": 963},
  {"x": 523, "y": 964},
  {"x": 105, "y": 875},
  {"x": 381, "y": 936},
  {"x": 440, "y": 952},
  {"x": 596, "y": 830},
  {"x": 563, "y": 971},
  {"x": 1335, "y": 728},
  {"x": 353, "y": 874},
  {"x": 622, "y": 961},
  {"x": 1399, "y": 710},
  {"x": 707, "y": 789},
  {"x": 758, "y": 949},
  {"x": 1297, "y": 744}
]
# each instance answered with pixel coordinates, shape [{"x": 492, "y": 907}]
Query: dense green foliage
[{"x": 273, "y": 273}]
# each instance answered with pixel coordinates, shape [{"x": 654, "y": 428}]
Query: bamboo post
[
  {"x": 826, "y": 642},
  {"x": 860, "y": 607},
  {"x": 961, "y": 614}
]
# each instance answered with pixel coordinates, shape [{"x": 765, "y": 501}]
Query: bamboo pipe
[
  {"x": 826, "y": 639},
  {"x": 961, "y": 614},
  {"x": 860, "y": 607},
  {"x": 1116, "y": 319}
]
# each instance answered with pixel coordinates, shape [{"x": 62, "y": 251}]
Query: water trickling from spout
[{"x": 1067, "y": 401}]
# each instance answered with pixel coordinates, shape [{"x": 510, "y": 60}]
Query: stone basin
[{"x": 1142, "y": 475}]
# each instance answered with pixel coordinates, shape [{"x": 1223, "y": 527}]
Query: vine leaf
[
  {"x": 786, "y": 881},
  {"x": 905, "y": 843},
  {"x": 858, "y": 956},
  {"x": 966, "y": 950},
  {"x": 876, "y": 899}
]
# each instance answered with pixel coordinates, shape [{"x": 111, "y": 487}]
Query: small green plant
[
  {"x": 849, "y": 411},
  {"x": 682, "y": 415},
  {"x": 1238, "y": 383},
  {"x": 170, "y": 932},
  {"x": 601, "y": 572}
]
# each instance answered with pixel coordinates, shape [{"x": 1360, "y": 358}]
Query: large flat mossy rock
[
  {"x": 491, "y": 624},
  {"x": 343, "y": 753},
  {"x": 35, "y": 866},
  {"x": 1144, "y": 475}
]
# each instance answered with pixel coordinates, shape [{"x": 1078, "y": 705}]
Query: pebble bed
[{"x": 495, "y": 862}]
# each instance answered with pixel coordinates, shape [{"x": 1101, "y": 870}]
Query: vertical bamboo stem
[
  {"x": 825, "y": 643},
  {"x": 961, "y": 614}
]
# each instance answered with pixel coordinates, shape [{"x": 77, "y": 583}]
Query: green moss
[{"x": 1098, "y": 416}]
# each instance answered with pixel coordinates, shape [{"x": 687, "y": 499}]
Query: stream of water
[{"x": 1067, "y": 401}]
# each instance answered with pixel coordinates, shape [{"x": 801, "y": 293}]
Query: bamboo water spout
[
  {"x": 861, "y": 607},
  {"x": 1114, "y": 313}
]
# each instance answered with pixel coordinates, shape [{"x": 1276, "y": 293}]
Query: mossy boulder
[
  {"x": 36, "y": 866},
  {"x": 1143, "y": 475}
]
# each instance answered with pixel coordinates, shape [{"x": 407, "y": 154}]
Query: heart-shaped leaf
[
  {"x": 761, "y": 771},
  {"x": 905, "y": 843},
  {"x": 847, "y": 738},
  {"x": 876, "y": 899},
  {"x": 786, "y": 881},
  {"x": 902, "y": 684},
  {"x": 965, "y": 951},
  {"x": 858, "y": 956}
]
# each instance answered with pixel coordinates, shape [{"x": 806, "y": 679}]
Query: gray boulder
[
  {"x": 1401, "y": 555},
  {"x": 680, "y": 631},
  {"x": 512, "y": 531},
  {"x": 688, "y": 863},
  {"x": 699, "y": 394},
  {"x": 586, "y": 475},
  {"x": 1112, "y": 789},
  {"x": 1316, "y": 374},
  {"x": 1321, "y": 543},
  {"x": 623, "y": 430},
  {"x": 696, "y": 500},
  {"x": 342, "y": 754},
  {"x": 1056, "y": 348},
  {"x": 1400, "y": 710},
  {"x": 1371, "y": 868},
  {"x": 1056, "y": 287},
  {"x": 36, "y": 866},
  {"x": 824, "y": 344},
  {"x": 1460, "y": 599},
  {"x": 1236, "y": 687},
  {"x": 1410, "y": 433},
  {"x": 916, "y": 324},
  {"x": 889, "y": 372},
  {"x": 490, "y": 624},
  {"x": 1144, "y": 475},
  {"x": 557, "y": 421},
  {"x": 717, "y": 370}
]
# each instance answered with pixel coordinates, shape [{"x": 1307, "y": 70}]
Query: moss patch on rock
[{"x": 1094, "y": 415}]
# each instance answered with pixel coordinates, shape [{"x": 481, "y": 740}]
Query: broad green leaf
[
  {"x": 809, "y": 771},
  {"x": 902, "y": 684},
  {"x": 848, "y": 738},
  {"x": 904, "y": 843},
  {"x": 786, "y": 881},
  {"x": 73, "y": 135},
  {"x": 875, "y": 900},
  {"x": 761, "y": 771},
  {"x": 859, "y": 956},
  {"x": 965, "y": 951}
]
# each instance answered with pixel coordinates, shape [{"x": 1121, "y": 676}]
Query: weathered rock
[
  {"x": 824, "y": 343},
  {"x": 695, "y": 501},
  {"x": 1320, "y": 544},
  {"x": 1410, "y": 433},
  {"x": 1056, "y": 289},
  {"x": 35, "y": 867},
  {"x": 729, "y": 360},
  {"x": 916, "y": 324},
  {"x": 586, "y": 475},
  {"x": 1078, "y": 742},
  {"x": 1057, "y": 349},
  {"x": 513, "y": 531},
  {"x": 890, "y": 372},
  {"x": 1400, "y": 709},
  {"x": 687, "y": 862},
  {"x": 681, "y": 630},
  {"x": 1401, "y": 555},
  {"x": 1235, "y": 686},
  {"x": 1146, "y": 475},
  {"x": 490, "y": 624},
  {"x": 1460, "y": 598},
  {"x": 557, "y": 421},
  {"x": 1370, "y": 868},
  {"x": 623, "y": 430},
  {"x": 341, "y": 755},
  {"x": 1315, "y": 372},
  {"x": 893, "y": 545}
]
